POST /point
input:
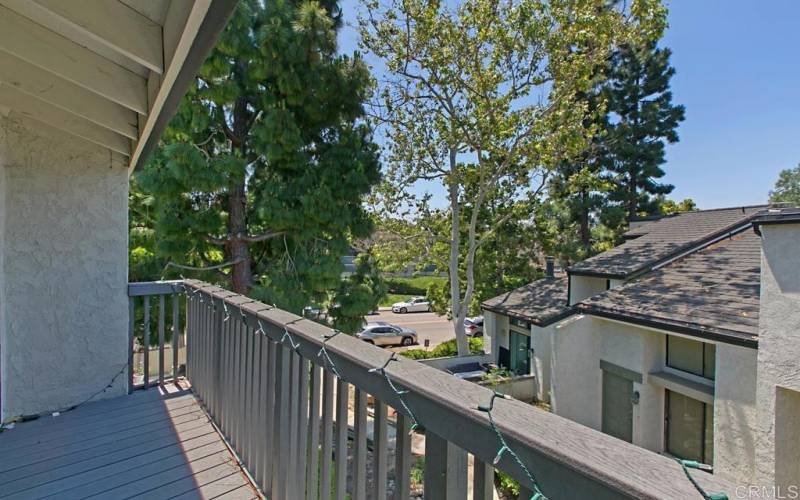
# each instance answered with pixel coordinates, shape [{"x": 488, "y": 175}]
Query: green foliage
[
  {"x": 357, "y": 293},
  {"x": 615, "y": 178},
  {"x": 508, "y": 486},
  {"x": 484, "y": 97},
  {"x": 412, "y": 286},
  {"x": 263, "y": 170},
  {"x": 642, "y": 120},
  {"x": 418, "y": 471},
  {"x": 446, "y": 349},
  {"x": 496, "y": 375},
  {"x": 787, "y": 187},
  {"x": 667, "y": 206}
]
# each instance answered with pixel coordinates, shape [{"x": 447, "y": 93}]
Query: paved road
[{"x": 427, "y": 325}]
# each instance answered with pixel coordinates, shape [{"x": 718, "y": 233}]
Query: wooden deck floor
[{"x": 147, "y": 445}]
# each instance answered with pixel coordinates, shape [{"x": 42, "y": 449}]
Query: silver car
[{"x": 382, "y": 334}]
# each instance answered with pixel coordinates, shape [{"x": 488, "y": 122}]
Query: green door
[
  {"x": 519, "y": 344},
  {"x": 617, "y": 406}
]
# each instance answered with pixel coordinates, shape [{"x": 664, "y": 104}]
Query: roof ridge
[{"x": 735, "y": 207}]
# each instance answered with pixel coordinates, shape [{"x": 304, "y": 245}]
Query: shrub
[{"x": 411, "y": 286}]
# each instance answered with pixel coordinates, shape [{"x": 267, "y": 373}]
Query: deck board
[{"x": 148, "y": 445}]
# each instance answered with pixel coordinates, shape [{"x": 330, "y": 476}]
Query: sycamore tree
[
  {"x": 260, "y": 178},
  {"x": 486, "y": 94}
]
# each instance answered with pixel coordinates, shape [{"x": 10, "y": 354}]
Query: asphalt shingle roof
[
  {"x": 713, "y": 292},
  {"x": 542, "y": 302},
  {"x": 663, "y": 238}
]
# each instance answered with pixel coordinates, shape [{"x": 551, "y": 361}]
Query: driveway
[{"x": 428, "y": 325}]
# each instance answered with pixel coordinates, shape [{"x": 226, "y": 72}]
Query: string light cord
[
  {"x": 504, "y": 448},
  {"x": 693, "y": 464},
  {"x": 323, "y": 353},
  {"x": 399, "y": 393}
]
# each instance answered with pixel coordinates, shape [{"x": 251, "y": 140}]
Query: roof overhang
[
  {"x": 776, "y": 216},
  {"x": 110, "y": 72}
]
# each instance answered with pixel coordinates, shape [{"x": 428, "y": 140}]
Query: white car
[
  {"x": 381, "y": 333},
  {"x": 416, "y": 304}
]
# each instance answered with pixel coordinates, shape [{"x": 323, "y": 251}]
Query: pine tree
[
  {"x": 642, "y": 119},
  {"x": 262, "y": 172}
]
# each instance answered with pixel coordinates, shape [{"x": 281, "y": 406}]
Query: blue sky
[{"x": 738, "y": 74}]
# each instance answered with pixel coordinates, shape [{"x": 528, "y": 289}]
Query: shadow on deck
[{"x": 147, "y": 445}]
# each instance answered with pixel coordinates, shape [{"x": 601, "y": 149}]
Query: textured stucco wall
[
  {"x": 2, "y": 269},
  {"x": 583, "y": 287},
  {"x": 580, "y": 342},
  {"x": 541, "y": 342},
  {"x": 778, "y": 349},
  {"x": 64, "y": 271},
  {"x": 735, "y": 413}
]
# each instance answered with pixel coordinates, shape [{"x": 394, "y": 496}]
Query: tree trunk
[
  {"x": 238, "y": 249},
  {"x": 458, "y": 309},
  {"x": 585, "y": 233}
]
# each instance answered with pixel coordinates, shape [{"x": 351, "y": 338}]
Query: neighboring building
[{"x": 659, "y": 341}]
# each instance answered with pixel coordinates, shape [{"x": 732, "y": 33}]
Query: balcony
[{"x": 277, "y": 405}]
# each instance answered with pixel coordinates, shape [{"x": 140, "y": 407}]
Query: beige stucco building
[{"x": 682, "y": 340}]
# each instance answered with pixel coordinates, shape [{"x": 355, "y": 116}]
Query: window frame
[{"x": 704, "y": 345}]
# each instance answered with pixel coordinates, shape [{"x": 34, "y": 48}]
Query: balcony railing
[{"x": 278, "y": 388}]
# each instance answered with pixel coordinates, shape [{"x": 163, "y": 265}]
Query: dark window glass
[
  {"x": 691, "y": 356},
  {"x": 690, "y": 428}
]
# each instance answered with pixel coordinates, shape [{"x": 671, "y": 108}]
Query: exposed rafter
[
  {"x": 41, "y": 47},
  {"x": 42, "y": 111},
  {"x": 67, "y": 96}
]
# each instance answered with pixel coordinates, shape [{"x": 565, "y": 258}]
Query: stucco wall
[
  {"x": 581, "y": 342},
  {"x": 583, "y": 287},
  {"x": 541, "y": 342},
  {"x": 779, "y": 350},
  {"x": 735, "y": 413},
  {"x": 2, "y": 269},
  {"x": 64, "y": 270}
]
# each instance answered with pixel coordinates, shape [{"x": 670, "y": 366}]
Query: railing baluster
[
  {"x": 483, "y": 480},
  {"x": 246, "y": 402},
  {"x": 327, "y": 435},
  {"x": 294, "y": 421},
  {"x": 303, "y": 419},
  {"x": 379, "y": 451},
  {"x": 161, "y": 313},
  {"x": 146, "y": 341},
  {"x": 226, "y": 393},
  {"x": 280, "y": 488},
  {"x": 360, "y": 447},
  {"x": 445, "y": 469},
  {"x": 175, "y": 335},
  {"x": 131, "y": 323},
  {"x": 259, "y": 427},
  {"x": 312, "y": 488},
  {"x": 269, "y": 421},
  {"x": 402, "y": 450},
  {"x": 342, "y": 398}
]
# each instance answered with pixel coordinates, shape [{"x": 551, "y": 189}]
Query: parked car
[
  {"x": 474, "y": 326},
  {"x": 416, "y": 304},
  {"x": 383, "y": 334}
]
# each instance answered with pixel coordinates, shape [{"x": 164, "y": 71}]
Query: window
[
  {"x": 690, "y": 428},
  {"x": 691, "y": 356}
]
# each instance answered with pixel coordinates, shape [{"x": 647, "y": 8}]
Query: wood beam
[
  {"x": 66, "y": 95},
  {"x": 47, "y": 50},
  {"x": 45, "y": 112},
  {"x": 99, "y": 24},
  {"x": 184, "y": 34}
]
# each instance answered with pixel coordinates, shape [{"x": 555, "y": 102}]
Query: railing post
[
  {"x": 445, "y": 469},
  {"x": 146, "y": 341},
  {"x": 175, "y": 334},
  {"x": 131, "y": 320}
]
